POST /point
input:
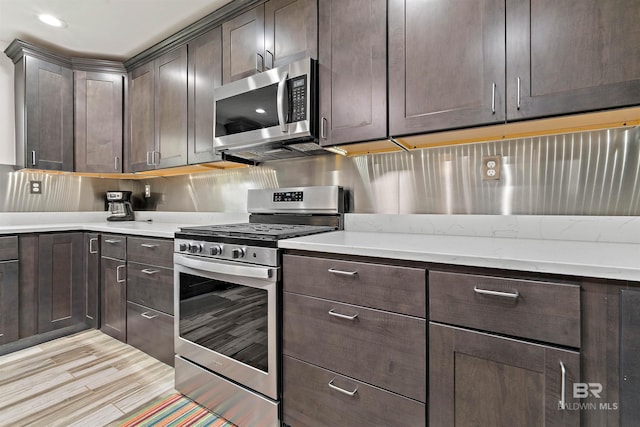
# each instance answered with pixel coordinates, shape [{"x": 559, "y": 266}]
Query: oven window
[
  {"x": 225, "y": 317},
  {"x": 255, "y": 109}
]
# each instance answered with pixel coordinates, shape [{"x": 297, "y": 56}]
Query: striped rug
[{"x": 176, "y": 411}]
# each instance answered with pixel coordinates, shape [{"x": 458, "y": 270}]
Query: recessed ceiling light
[
  {"x": 260, "y": 111},
  {"x": 52, "y": 20}
]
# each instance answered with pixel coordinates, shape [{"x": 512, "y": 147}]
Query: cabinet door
[
  {"x": 290, "y": 31},
  {"x": 571, "y": 56},
  {"x": 205, "y": 73},
  {"x": 98, "y": 121},
  {"x": 171, "y": 109},
  {"x": 446, "y": 64},
  {"x": 352, "y": 61},
  {"x": 140, "y": 142},
  {"x": 49, "y": 115},
  {"x": 91, "y": 279},
  {"x": 113, "y": 301},
  {"x": 481, "y": 379},
  {"x": 8, "y": 301},
  {"x": 60, "y": 290},
  {"x": 243, "y": 45}
]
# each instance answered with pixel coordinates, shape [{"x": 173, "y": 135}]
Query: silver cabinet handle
[
  {"x": 149, "y": 245},
  {"x": 1, "y": 335},
  {"x": 116, "y": 163},
  {"x": 341, "y": 390},
  {"x": 342, "y": 316},
  {"x": 33, "y": 158},
  {"x": 112, "y": 241},
  {"x": 148, "y": 157},
  {"x": 259, "y": 63},
  {"x": 272, "y": 58},
  {"x": 342, "y": 273},
  {"x": 147, "y": 316},
  {"x": 563, "y": 386},
  {"x": 514, "y": 294},
  {"x": 118, "y": 279},
  {"x": 493, "y": 98},
  {"x": 518, "y": 94},
  {"x": 156, "y": 162},
  {"x": 282, "y": 84},
  {"x": 149, "y": 271},
  {"x": 91, "y": 242},
  {"x": 323, "y": 128}
]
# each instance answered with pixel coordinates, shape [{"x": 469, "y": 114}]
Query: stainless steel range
[{"x": 228, "y": 301}]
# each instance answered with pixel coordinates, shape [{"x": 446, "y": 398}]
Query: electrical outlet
[
  {"x": 36, "y": 187},
  {"x": 147, "y": 190},
  {"x": 491, "y": 168}
]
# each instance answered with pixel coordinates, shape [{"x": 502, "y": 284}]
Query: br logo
[{"x": 584, "y": 390}]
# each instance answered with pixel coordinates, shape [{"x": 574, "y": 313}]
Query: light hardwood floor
[{"x": 87, "y": 379}]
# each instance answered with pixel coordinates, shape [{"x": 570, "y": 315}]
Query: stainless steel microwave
[{"x": 269, "y": 115}]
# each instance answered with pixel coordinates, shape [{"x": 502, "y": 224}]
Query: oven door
[{"x": 226, "y": 319}]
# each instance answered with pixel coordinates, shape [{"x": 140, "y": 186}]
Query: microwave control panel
[{"x": 298, "y": 98}]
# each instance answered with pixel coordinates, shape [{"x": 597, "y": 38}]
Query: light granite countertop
[{"x": 601, "y": 247}]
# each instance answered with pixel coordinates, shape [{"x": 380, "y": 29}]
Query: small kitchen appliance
[
  {"x": 119, "y": 203},
  {"x": 228, "y": 296}
]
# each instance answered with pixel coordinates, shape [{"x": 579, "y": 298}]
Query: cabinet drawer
[
  {"x": 150, "y": 331},
  {"x": 547, "y": 312},
  {"x": 150, "y": 251},
  {"x": 150, "y": 286},
  {"x": 309, "y": 400},
  {"x": 384, "y": 349},
  {"x": 397, "y": 289},
  {"x": 8, "y": 248},
  {"x": 114, "y": 246}
]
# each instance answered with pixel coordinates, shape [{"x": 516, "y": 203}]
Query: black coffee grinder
[{"x": 120, "y": 206}]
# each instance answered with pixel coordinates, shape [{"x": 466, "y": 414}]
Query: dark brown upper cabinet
[
  {"x": 158, "y": 124},
  {"x": 352, "y": 69},
  {"x": 571, "y": 56},
  {"x": 98, "y": 121},
  {"x": 446, "y": 64},
  {"x": 447, "y": 61},
  {"x": 44, "y": 107},
  {"x": 269, "y": 35},
  {"x": 205, "y": 74}
]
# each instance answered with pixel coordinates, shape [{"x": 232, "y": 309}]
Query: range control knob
[
  {"x": 194, "y": 248},
  {"x": 237, "y": 253},
  {"x": 215, "y": 250},
  {"x": 183, "y": 247}
]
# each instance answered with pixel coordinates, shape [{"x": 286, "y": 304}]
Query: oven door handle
[{"x": 210, "y": 266}]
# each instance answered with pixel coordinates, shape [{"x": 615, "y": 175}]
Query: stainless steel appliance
[
  {"x": 271, "y": 115},
  {"x": 228, "y": 301},
  {"x": 119, "y": 205}
]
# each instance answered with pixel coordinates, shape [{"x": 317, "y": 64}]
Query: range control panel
[
  {"x": 298, "y": 98},
  {"x": 288, "y": 196}
]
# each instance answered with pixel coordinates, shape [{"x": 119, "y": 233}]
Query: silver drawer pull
[
  {"x": 147, "y": 316},
  {"x": 341, "y": 390},
  {"x": 149, "y": 271},
  {"x": 514, "y": 294},
  {"x": 563, "y": 386},
  {"x": 342, "y": 316},
  {"x": 1, "y": 335},
  {"x": 342, "y": 273},
  {"x": 118, "y": 279},
  {"x": 149, "y": 245},
  {"x": 112, "y": 241},
  {"x": 91, "y": 242}
]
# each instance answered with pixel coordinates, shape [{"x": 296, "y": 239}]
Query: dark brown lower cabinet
[
  {"x": 8, "y": 301},
  {"x": 314, "y": 396},
  {"x": 60, "y": 281},
  {"x": 480, "y": 379},
  {"x": 150, "y": 331},
  {"x": 92, "y": 279},
  {"x": 114, "y": 298}
]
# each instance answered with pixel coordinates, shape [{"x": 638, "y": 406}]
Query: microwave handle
[{"x": 280, "y": 102}]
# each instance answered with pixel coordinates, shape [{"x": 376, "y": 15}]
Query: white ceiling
[{"x": 105, "y": 29}]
